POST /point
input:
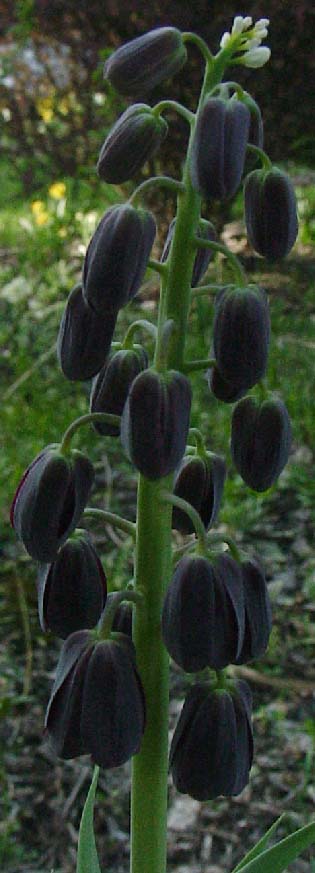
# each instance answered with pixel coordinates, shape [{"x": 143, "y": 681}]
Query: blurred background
[{"x": 55, "y": 112}]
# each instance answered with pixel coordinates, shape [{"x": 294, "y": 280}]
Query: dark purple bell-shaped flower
[
  {"x": 222, "y": 389},
  {"x": 97, "y": 703},
  {"x": 212, "y": 748},
  {"x": 241, "y": 334},
  {"x": 258, "y": 618},
  {"x": 140, "y": 65},
  {"x": 155, "y": 422},
  {"x": 200, "y": 481},
  {"x": 72, "y": 589},
  {"x": 270, "y": 213},
  {"x": 134, "y": 139},
  {"x": 116, "y": 258},
  {"x": 203, "y": 616},
  {"x": 50, "y": 500},
  {"x": 219, "y": 148},
  {"x": 260, "y": 441},
  {"x": 110, "y": 387},
  {"x": 84, "y": 338}
]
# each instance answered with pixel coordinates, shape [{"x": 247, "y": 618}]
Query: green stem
[
  {"x": 104, "y": 417},
  {"x": 205, "y": 289},
  {"x": 162, "y": 181},
  {"x": 201, "y": 364},
  {"x": 111, "y": 518},
  {"x": 149, "y": 769},
  {"x": 263, "y": 157},
  {"x": 177, "y": 107},
  {"x": 105, "y": 625},
  {"x": 187, "y": 36},
  {"x": 235, "y": 552},
  {"x": 140, "y": 324},
  {"x": 240, "y": 275},
  {"x": 200, "y": 529},
  {"x": 158, "y": 266},
  {"x": 199, "y": 440}
]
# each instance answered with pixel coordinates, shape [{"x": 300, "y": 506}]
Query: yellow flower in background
[
  {"x": 40, "y": 214},
  {"x": 44, "y": 106},
  {"x": 57, "y": 190}
]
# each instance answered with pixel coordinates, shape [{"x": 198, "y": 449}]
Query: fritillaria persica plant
[{"x": 207, "y": 606}]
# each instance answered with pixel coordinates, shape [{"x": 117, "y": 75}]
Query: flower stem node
[
  {"x": 50, "y": 500},
  {"x": 155, "y": 422},
  {"x": 241, "y": 334},
  {"x": 219, "y": 148},
  {"x": 116, "y": 258},
  {"x": 203, "y": 619},
  {"x": 84, "y": 339},
  {"x": 97, "y": 702},
  {"x": 140, "y": 65},
  {"x": 212, "y": 748},
  {"x": 134, "y": 139},
  {"x": 72, "y": 589},
  {"x": 110, "y": 387},
  {"x": 260, "y": 441},
  {"x": 200, "y": 481},
  {"x": 203, "y": 256},
  {"x": 270, "y": 213}
]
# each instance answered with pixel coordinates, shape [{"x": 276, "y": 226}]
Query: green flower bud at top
[
  {"x": 200, "y": 481},
  {"x": 116, "y": 258},
  {"x": 258, "y": 618},
  {"x": 50, "y": 500},
  {"x": 203, "y": 618},
  {"x": 219, "y": 148},
  {"x": 212, "y": 748},
  {"x": 97, "y": 703},
  {"x": 134, "y": 139},
  {"x": 110, "y": 388},
  {"x": 155, "y": 422},
  {"x": 84, "y": 339},
  {"x": 143, "y": 63},
  {"x": 260, "y": 441},
  {"x": 241, "y": 334},
  {"x": 270, "y": 213},
  {"x": 72, "y": 590},
  {"x": 203, "y": 256}
]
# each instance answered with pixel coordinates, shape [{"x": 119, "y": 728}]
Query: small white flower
[
  {"x": 240, "y": 24},
  {"x": 252, "y": 43},
  {"x": 225, "y": 39},
  {"x": 256, "y": 57},
  {"x": 262, "y": 23}
]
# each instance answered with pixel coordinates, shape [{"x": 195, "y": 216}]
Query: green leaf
[
  {"x": 276, "y": 859},
  {"x": 260, "y": 846},
  {"x": 87, "y": 859}
]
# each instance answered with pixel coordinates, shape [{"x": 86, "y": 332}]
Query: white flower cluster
[{"x": 246, "y": 38}]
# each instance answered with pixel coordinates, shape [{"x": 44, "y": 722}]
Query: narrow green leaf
[
  {"x": 260, "y": 846},
  {"x": 276, "y": 859},
  {"x": 87, "y": 859}
]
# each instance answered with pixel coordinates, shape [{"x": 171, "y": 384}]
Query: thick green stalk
[
  {"x": 153, "y": 565},
  {"x": 149, "y": 770}
]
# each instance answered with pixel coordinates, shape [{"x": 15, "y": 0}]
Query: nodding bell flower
[
  {"x": 200, "y": 481},
  {"x": 222, "y": 389},
  {"x": 134, "y": 139},
  {"x": 219, "y": 148},
  {"x": 212, "y": 748},
  {"x": 203, "y": 616},
  {"x": 84, "y": 339},
  {"x": 203, "y": 256},
  {"x": 260, "y": 441},
  {"x": 140, "y": 65},
  {"x": 241, "y": 334},
  {"x": 72, "y": 589},
  {"x": 50, "y": 500},
  {"x": 270, "y": 213},
  {"x": 110, "y": 388},
  {"x": 116, "y": 258},
  {"x": 258, "y": 618},
  {"x": 97, "y": 703},
  {"x": 155, "y": 422}
]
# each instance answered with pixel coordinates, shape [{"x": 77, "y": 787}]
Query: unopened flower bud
[
  {"x": 134, "y": 139},
  {"x": 200, "y": 481},
  {"x": 84, "y": 338},
  {"x": 143, "y": 63},
  {"x": 260, "y": 441},
  {"x": 219, "y": 148},
  {"x": 241, "y": 334},
  {"x": 270, "y": 213},
  {"x": 110, "y": 388}
]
